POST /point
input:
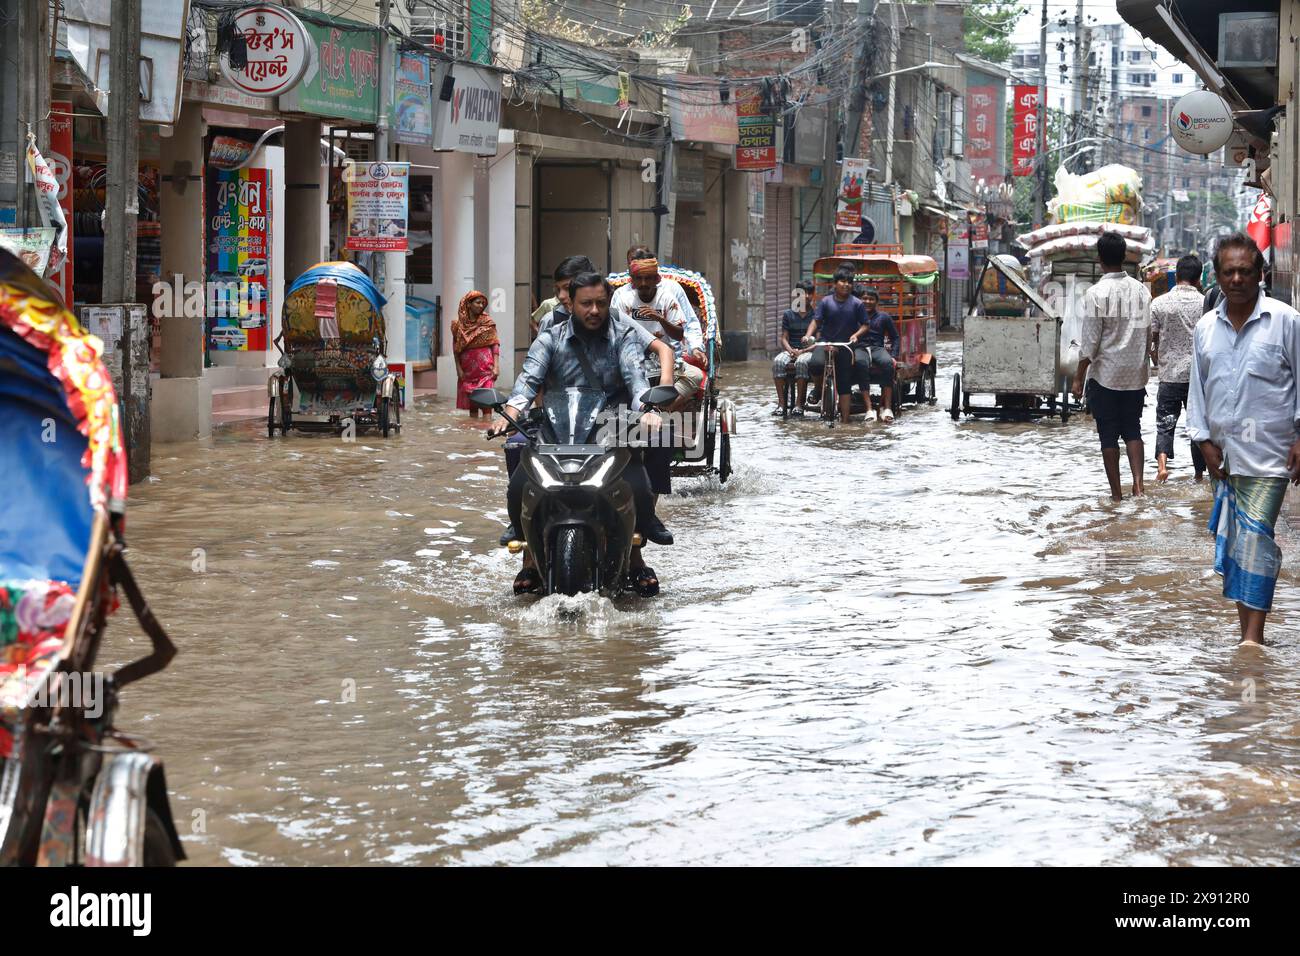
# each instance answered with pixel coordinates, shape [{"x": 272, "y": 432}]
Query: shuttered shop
[{"x": 778, "y": 251}]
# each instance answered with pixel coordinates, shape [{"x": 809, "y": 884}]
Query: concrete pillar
[
  {"x": 304, "y": 201},
  {"x": 181, "y": 406},
  {"x": 502, "y": 267},
  {"x": 457, "y": 253}
]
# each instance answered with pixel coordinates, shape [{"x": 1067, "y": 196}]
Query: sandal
[
  {"x": 644, "y": 581},
  {"x": 528, "y": 581}
]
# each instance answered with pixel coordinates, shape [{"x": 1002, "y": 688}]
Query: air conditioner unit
[{"x": 795, "y": 11}]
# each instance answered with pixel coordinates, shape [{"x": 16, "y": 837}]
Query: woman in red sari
[{"x": 476, "y": 348}]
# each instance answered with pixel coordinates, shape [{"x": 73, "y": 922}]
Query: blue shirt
[
  {"x": 795, "y": 326},
  {"x": 880, "y": 326},
  {"x": 1243, "y": 393},
  {"x": 836, "y": 320}
]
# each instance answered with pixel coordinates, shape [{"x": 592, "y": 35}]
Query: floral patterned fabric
[{"x": 33, "y": 616}]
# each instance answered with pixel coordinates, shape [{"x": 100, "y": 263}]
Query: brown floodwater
[{"x": 926, "y": 643}]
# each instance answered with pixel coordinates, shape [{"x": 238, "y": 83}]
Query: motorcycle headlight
[
  {"x": 598, "y": 479},
  {"x": 378, "y": 368},
  {"x": 543, "y": 473}
]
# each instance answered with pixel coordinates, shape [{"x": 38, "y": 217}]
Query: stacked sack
[{"x": 1107, "y": 200}]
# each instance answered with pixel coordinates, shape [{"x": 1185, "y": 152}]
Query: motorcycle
[{"x": 578, "y": 515}]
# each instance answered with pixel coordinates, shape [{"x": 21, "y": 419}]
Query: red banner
[
  {"x": 1025, "y": 131},
  {"x": 1260, "y": 226},
  {"x": 982, "y": 112},
  {"x": 60, "y": 161},
  {"x": 756, "y": 150}
]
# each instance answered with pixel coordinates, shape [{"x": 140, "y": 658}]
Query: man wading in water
[
  {"x": 1243, "y": 409},
  {"x": 1113, "y": 360}
]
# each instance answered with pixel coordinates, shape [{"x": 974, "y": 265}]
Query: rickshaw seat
[{"x": 33, "y": 617}]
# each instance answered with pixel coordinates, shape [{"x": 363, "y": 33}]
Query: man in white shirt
[
  {"x": 660, "y": 307},
  {"x": 1113, "y": 360},
  {"x": 1173, "y": 317},
  {"x": 1243, "y": 408}
]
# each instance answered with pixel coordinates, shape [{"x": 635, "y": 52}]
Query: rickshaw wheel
[
  {"x": 270, "y": 417},
  {"x": 955, "y": 410},
  {"x": 158, "y": 849},
  {"x": 931, "y": 389},
  {"x": 385, "y": 406},
  {"x": 829, "y": 404},
  {"x": 724, "y": 458}
]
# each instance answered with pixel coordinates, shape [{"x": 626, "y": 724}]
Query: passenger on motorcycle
[
  {"x": 564, "y": 273},
  {"x": 613, "y": 350},
  {"x": 841, "y": 317},
  {"x": 794, "y": 326}
]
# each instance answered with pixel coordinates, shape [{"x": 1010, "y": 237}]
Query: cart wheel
[
  {"x": 955, "y": 411},
  {"x": 931, "y": 388},
  {"x": 270, "y": 418},
  {"x": 724, "y": 458}
]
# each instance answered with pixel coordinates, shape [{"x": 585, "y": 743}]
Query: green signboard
[{"x": 342, "y": 79}]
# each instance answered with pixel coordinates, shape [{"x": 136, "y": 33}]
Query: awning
[
  {"x": 1189, "y": 30},
  {"x": 936, "y": 211}
]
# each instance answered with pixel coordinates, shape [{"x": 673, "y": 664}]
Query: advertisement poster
[
  {"x": 47, "y": 201},
  {"x": 469, "y": 122},
  {"x": 238, "y": 209},
  {"x": 30, "y": 245},
  {"x": 853, "y": 188},
  {"x": 60, "y": 160},
  {"x": 698, "y": 113},
  {"x": 958, "y": 256},
  {"x": 377, "y": 206},
  {"x": 342, "y": 80},
  {"x": 1025, "y": 131},
  {"x": 412, "y": 119},
  {"x": 979, "y": 235},
  {"x": 756, "y": 150},
  {"x": 982, "y": 124}
]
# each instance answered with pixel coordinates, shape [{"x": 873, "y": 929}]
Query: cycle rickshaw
[{"x": 332, "y": 368}]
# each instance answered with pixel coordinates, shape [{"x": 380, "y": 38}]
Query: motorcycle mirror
[
  {"x": 487, "y": 397},
  {"x": 660, "y": 395}
]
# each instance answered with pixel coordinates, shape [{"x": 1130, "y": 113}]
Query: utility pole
[
  {"x": 894, "y": 44},
  {"x": 830, "y": 171},
  {"x": 1040, "y": 215},
  {"x": 121, "y": 200}
]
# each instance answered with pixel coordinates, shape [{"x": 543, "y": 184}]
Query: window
[
  {"x": 1135, "y": 78},
  {"x": 1146, "y": 111},
  {"x": 1151, "y": 78},
  {"x": 1031, "y": 59},
  {"x": 430, "y": 24},
  {"x": 1178, "y": 77},
  {"x": 1135, "y": 56},
  {"x": 1153, "y": 55},
  {"x": 1018, "y": 60}
]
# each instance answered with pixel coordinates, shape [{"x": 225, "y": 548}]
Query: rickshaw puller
[
  {"x": 614, "y": 349},
  {"x": 840, "y": 317},
  {"x": 660, "y": 306}
]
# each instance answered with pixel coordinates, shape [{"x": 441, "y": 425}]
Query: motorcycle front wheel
[{"x": 575, "y": 561}]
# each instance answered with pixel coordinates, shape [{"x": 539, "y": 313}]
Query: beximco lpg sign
[
  {"x": 1201, "y": 122},
  {"x": 469, "y": 109}
]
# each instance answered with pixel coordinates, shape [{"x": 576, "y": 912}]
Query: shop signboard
[
  {"x": 688, "y": 174},
  {"x": 342, "y": 78},
  {"x": 983, "y": 112},
  {"x": 698, "y": 112},
  {"x": 378, "y": 195},
  {"x": 238, "y": 212},
  {"x": 756, "y": 149},
  {"x": 468, "y": 117},
  {"x": 276, "y": 51}
]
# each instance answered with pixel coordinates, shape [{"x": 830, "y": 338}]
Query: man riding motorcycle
[{"x": 593, "y": 343}]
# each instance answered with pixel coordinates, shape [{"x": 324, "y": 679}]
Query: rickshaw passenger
[
  {"x": 879, "y": 361},
  {"x": 840, "y": 317},
  {"x": 660, "y": 307},
  {"x": 794, "y": 326}
]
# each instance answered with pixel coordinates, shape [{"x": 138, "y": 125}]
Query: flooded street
[{"x": 926, "y": 643}]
